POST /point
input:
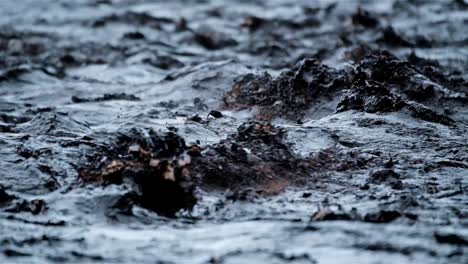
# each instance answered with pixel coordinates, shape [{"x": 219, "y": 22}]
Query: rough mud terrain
[{"x": 234, "y": 131}]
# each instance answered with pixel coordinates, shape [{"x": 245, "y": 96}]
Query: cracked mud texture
[{"x": 234, "y": 131}]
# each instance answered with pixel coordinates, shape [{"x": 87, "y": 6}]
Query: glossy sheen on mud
[{"x": 233, "y": 131}]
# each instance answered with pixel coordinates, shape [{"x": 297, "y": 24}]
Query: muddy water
[{"x": 385, "y": 181}]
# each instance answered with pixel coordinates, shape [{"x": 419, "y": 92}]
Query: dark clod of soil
[
  {"x": 255, "y": 157},
  {"x": 5, "y": 198},
  {"x": 289, "y": 95},
  {"x": 213, "y": 40},
  {"x": 106, "y": 97},
  {"x": 215, "y": 114},
  {"x": 383, "y": 83},
  {"x": 330, "y": 215},
  {"x": 378, "y": 216},
  {"x": 364, "y": 18},
  {"x": 382, "y": 216},
  {"x": 386, "y": 176},
  {"x": 158, "y": 164},
  {"x": 370, "y": 97},
  {"x": 453, "y": 239},
  {"x": 134, "y": 35},
  {"x": 379, "y": 83},
  {"x": 253, "y": 23}
]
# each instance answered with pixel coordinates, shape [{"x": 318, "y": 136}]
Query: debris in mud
[
  {"x": 289, "y": 95},
  {"x": 253, "y": 23},
  {"x": 462, "y": 3},
  {"x": 370, "y": 97},
  {"x": 390, "y": 37},
  {"x": 181, "y": 25},
  {"x": 106, "y": 97},
  {"x": 164, "y": 169},
  {"x": 256, "y": 162},
  {"x": 388, "y": 176},
  {"x": 382, "y": 216},
  {"x": 432, "y": 70},
  {"x": 213, "y": 40},
  {"x": 13, "y": 73},
  {"x": 5, "y": 198},
  {"x": 158, "y": 164},
  {"x": 4, "y": 128},
  {"x": 384, "y": 68},
  {"x": 196, "y": 118},
  {"x": 453, "y": 239},
  {"x": 69, "y": 60},
  {"x": 330, "y": 215},
  {"x": 378, "y": 216},
  {"x": 382, "y": 83},
  {"x": 163, "y": 62},
  {"x": 255, "y": 157},
  {"x": 134, "y": 35},
  {"x": 364, "y": 18},
  {"x": 35, "y": 206},
  {"x": 15, "y": 253},
  {"x": 135, "y": 18},
  {"x": 50, "y": 123},
  {"x": 215, "y": 114},
  {"x": 424, "y": 113}
]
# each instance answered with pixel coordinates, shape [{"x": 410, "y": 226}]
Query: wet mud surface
[{"x": 234, "y": 131}]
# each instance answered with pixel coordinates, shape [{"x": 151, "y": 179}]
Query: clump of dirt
[
  {"x": 254, "y": 161},
  {"x": 387, "y": 176},
  {"x": 379, "y": 82},
  {"x": 34, "y": 207},
  {"x": 327, "y": 214},
  {"x": 392, "y": 38},
  {"x": 376, "y": 216},
  {"x": 136, "y": 35},
  {"x": 135, "y": 18},
  {"x": 254, "y": 157},
  {"x": 453, "y": 239},
  {"x": 416, "y": 79},
  {"x": 253, "y": 23},
  {"x": 164, "y": 171},
  {"x": 5, "y": 198},
  {"x": 106, "y": 97},
  {"x": 371, "y": 97},
  {"x": 450, "y": 78},
  {"x": 386, "y": 69},
  {"x": 211, "y": 39},
  {"x": 290, "y": 94},
  {"x": 163, "y": 62},
  {"x": 383, "y": 83},
  {"x": 12, "y": 203},
  {"x": 158, "y": 166}
]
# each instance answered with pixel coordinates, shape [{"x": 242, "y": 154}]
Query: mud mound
[
  {"x": 255, "y": 157},
  {"x": 164, "y": 171},
  {"x": 383, "y": 83},
  {"x": 156, "y": 164},
  {"x": 289, "y": 95},
  {"x": 379, "y": 82},
  {"x": 5, "y": 198}
]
